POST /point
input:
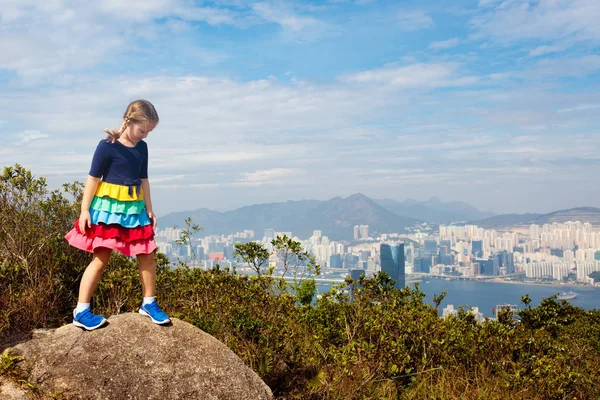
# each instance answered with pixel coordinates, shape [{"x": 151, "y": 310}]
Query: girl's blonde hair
[{"x": 139, "y": 111}]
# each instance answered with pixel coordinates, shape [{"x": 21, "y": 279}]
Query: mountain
[
  {"x": 338, "y": 217},
  {"x": 335, "y": 218},
  {"x": 434, "y": 210},
  {"x": 583, "y": 214}
]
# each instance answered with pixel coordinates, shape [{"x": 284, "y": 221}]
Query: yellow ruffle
[{"x": 119, "y": 192}]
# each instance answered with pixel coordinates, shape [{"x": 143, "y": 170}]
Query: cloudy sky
[{"x": 492, "y": 102}]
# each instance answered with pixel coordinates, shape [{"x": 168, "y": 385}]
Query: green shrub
[{"x": 383, "y": 343}]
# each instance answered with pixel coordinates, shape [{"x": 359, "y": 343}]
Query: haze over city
[{"x": 494, "y": 103}]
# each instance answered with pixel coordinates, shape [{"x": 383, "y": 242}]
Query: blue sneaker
[
  {"x": 153, "y": 311},
  {"x": 87, "y": 320}
]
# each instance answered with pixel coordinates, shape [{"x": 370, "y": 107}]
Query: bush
[{"x": 383, "y": 343}]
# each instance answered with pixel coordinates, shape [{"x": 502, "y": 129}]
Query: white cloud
[
  {"x": 296, "y": 27},
  {"x": 29, "y": 135},
  {"x": 488, "y": 3},
  {"x": 445, "y": 44},
  {"x": 241, "y": 138},
  {"x": 414, "y": 20},
  {"x": 516, "y": 20},
  {"x": 580, "y": 107},
  {"x": 41, "y": 39},
  {"x": 413, "y": 76},
  {"x": 269, "y": 176},
  {"x": 541, "y": 50},
  {"x": 563, "y": 67}
]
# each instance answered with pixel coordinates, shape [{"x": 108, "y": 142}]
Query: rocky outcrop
[
  {"x": 132, "y": 358},
  {"x": 9, "y": 390}
]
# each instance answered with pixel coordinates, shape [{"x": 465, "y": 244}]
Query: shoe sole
[
  {"x": 89, "y": 328},
  {"x": 144, "y": 313}
]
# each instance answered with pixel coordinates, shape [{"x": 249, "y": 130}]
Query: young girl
[{"x": 116, "y": 212}]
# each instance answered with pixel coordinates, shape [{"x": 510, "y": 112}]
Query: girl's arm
[
  {"x": 148, "y": 201},
  {"x": 88, "y": 194}
]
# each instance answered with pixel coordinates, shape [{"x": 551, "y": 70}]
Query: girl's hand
[
  {"x": 152, "y": 218},
  {"x": 85, "y": 221}
]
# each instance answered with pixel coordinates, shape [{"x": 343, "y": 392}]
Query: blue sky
[{"x": 491, "y": 102}]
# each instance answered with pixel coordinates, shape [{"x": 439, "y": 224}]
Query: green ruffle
[{"x": 117, "y": 207}]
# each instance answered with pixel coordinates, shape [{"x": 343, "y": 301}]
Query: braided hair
[{"x": 139, "y": 111}]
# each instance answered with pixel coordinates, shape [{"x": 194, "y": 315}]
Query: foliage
[
  {"x": 35, "y": 288},
  {"x": 363, "y": 339},
  {"x": 254, "y": 254},
  {"x": 291, "y": 256},
  {"x": 187, "y": 234}
]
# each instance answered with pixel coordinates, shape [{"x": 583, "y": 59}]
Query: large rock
[
  {"x": 132, "y": 358},
  {"x": 10, "y": 391}
]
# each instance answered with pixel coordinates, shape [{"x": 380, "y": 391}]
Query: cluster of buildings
[
  {"x": 337, "y": 259},
  {"x": 557, "y": 251}
]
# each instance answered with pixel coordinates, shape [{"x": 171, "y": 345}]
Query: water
[{"x": 486, "y": 295}]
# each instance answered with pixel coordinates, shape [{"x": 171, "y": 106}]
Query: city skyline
[
  {"x": 557, "y": 252},
  {"x": 494, "y": 103}
]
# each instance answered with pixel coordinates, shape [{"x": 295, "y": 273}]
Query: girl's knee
[
  {"x": 100, "y": 260},
  {"x": 145, "y": 259},
  {"x": 98, "y": 264}
]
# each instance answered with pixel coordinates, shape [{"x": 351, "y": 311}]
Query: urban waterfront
[{"x": 486, "y": 295}]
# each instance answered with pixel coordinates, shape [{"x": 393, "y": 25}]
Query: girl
[{"x": 116, "y": 212}]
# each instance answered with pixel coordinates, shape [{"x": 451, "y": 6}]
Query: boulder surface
[{"x": 132, "y": 358}]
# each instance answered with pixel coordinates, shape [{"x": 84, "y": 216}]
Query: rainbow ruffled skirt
[{"x": 119, "y": 222}]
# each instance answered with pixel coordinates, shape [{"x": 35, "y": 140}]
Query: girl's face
[{"x": 138, "y": 132}]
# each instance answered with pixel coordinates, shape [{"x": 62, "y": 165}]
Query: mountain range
[
  {"x": 583, "y": 214},
  {"x": 337, "y": 217},
  {"x": 434, "y": 210}
]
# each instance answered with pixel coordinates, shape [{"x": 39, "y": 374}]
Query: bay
[{"x": 486, "y": 295}]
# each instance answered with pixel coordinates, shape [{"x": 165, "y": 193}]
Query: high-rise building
[
  {"x": 361, "y": 232},
  {"x": 392, "y": 263},
  {"x": 349, "y": 261},
  {"x": 364, "y": 255},
  {"x": 269, "y": 234},
  {"x": 335, "y": 261},
  {"x": 356, "y": 273},
  {"x": 430, "y": 247},
  {"x": 486, "y": 266},
  {"x": 477, "y": 248},
  {"x": 364, "y": 231}
]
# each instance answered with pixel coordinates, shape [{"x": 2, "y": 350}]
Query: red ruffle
[
  {"x": 87, "y": 243},
  {"x": 114, "y": 231}
]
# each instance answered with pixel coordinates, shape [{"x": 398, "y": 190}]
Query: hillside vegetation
[{"x": 385, "y": 344}]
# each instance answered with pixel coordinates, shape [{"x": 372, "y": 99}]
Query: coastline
[
  {"x": 567, "y": 285},
  {"x": 503, "y": 280}
]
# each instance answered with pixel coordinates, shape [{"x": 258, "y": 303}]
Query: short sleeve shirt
[{"x": 119, "y": 164}]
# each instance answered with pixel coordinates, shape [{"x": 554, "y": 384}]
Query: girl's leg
[
  {"x": 149, "y": 307},
  {"x": 147, "y": 269},
  {"x": 91, "y": 276}
]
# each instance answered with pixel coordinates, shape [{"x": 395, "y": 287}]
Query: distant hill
[
  {"x": 335, "y": 218},
  {"x": 434, "y": 210},
  {"x": 583, "y": 214}
]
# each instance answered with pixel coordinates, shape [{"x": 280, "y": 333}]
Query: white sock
[
  {"x": 148, "y": 300},
  {"x": 80, "y": 307}
]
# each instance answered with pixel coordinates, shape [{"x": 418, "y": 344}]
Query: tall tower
[
  {"x": 392, "y": 263},
  {"x": 364, "y": 231}
]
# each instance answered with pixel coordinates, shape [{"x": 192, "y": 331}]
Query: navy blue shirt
[{"x": 119, "y": 164}]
